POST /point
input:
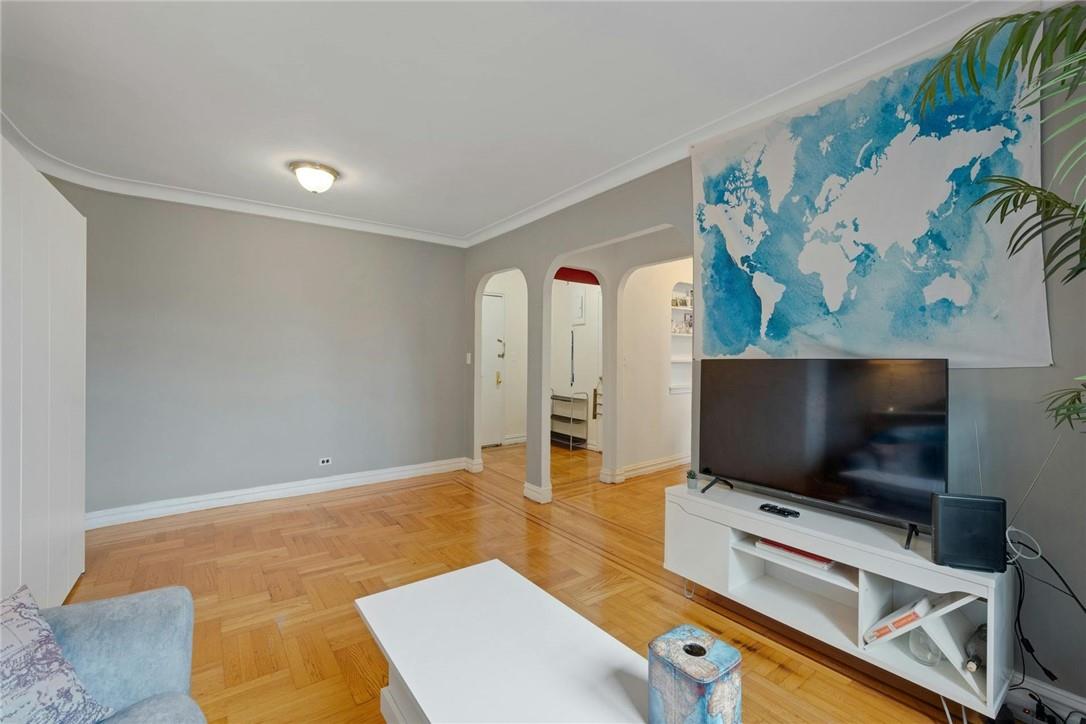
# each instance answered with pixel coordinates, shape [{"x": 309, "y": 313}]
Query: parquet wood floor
[
  {"x": 277, "y": 638},
  {"x": 572, "y": 471}
]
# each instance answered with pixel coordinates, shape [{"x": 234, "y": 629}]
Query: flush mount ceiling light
[{"x": 313, "y": 176}]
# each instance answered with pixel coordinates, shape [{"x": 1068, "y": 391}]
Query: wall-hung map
[{"x": 846, "y": 228}]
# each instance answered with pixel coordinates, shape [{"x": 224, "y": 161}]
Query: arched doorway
[
  {"x": 575, "y": 400},
  {"x": 614, "y": 263},
  {"x": 501, "y": 343}
]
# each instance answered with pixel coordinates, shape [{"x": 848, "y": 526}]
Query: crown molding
[
  {"x": 892, "y": 53},
  {"x": 52, "y": 165},
  {"x": 889, "y": 54}
]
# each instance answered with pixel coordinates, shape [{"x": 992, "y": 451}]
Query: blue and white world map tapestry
[{"x": 847, "y": 228}]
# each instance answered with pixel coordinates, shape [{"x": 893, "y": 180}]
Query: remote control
[{"x": 778, "y": 510}]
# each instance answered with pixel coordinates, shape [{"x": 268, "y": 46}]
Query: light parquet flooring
[
  {"x": 572, "y": 471},
  {"x": 277, "y": 638}
]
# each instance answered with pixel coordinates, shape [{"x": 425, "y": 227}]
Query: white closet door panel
[
  {"x": 59, "y": 442},
  {"x": 77, "y": 280},
  {"x": 69, "y": 324},
  {"x": 36, "y": 397},
  {"x": 62, "y": 364},
  {"x": 42, "y": 384},
  {"x": 11, "y": 359}
]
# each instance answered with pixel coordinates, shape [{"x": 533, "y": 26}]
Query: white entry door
[{"x": 491, "y": 370}]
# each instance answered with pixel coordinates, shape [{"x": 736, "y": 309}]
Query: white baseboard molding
[
  {"x": 652, "y": 466},
  {"x": 173, "y": 506},
  {"x": 610, "y": 476},
  {"x": 537, "y": 493},
  {"x": 1060, "y": 700},
  {"x": 474, "y": 465},
  {"x": 514, "y": 439}
]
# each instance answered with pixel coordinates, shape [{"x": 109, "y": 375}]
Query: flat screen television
[{"x": 863, "y": 436}]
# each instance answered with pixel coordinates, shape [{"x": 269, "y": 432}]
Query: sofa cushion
[
  {"x": 169, "y": 708},
  {"x": 128, "y": 648},
  {"x": 37, "y": 684}
]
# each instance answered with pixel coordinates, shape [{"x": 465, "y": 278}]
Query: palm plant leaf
[
  {"x": 1068, "y": 405},
  {"x": 1048, "y": 48},
  {"x": 1059, "y": 28},
  {"x": 1044, "y": 211}
]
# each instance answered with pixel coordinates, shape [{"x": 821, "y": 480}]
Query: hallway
[{"x": 573, "y": 472}]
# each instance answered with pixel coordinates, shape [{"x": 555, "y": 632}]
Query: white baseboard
[
  {"x": 173, "y": 506},
  {"x": 610, "y": 476},
  {"x": 514, "y": 439},
  {"x": 474, "y": 466},
  {"x": 642, "y": 468},
  {"x": 1060, "y": 700},
  {"x": 537, "y": 493},
  {"x": 652, "y": 466}
]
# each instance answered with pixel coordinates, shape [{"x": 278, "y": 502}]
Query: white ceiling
[{"x": 450, "y": 122}]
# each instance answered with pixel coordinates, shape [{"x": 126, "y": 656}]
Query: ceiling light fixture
[{"x": 313, "y": 176}]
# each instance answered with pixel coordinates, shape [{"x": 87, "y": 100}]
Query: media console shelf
[{"x": 710, "y": 540}]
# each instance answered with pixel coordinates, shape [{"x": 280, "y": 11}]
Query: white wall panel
[
  {"x": 655, "y": 424},
  {"x": 43, "y": 384},
  {"x": 11, "y": 366}
]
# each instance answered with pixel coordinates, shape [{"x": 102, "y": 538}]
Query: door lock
[{"x": 498, "y": 378}]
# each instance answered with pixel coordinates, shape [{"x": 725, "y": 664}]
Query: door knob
[{"x": 498, "y": 378}]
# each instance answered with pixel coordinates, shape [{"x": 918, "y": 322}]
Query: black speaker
[{"x": 969, "y": 531}]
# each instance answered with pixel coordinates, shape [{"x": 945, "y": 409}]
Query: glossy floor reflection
[{"x": 277, "y": 638}]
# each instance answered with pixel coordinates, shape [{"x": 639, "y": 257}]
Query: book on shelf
[
  {"x": 795, "y": 554},
  {"x": 898, "y": 619},
  {"x": 907, "y": 614}
]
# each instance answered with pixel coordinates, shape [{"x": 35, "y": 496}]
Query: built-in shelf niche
[{"x": 682, "y": 338}]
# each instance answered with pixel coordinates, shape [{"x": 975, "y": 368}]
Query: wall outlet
[{"x": 325, "y": 461}]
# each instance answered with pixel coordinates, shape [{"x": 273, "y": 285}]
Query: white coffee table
[{"x": 485, "y": 644}]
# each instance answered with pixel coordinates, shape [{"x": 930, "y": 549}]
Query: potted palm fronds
[{"x": 1050, "y": 49}]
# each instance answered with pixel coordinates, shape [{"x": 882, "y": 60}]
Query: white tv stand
[{"x": 709, "y": 539}]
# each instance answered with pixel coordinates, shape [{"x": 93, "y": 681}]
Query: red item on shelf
[{"x": 796, "y": 551}]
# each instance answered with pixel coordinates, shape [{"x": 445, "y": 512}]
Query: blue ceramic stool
[{"x": 693, "y": 679}]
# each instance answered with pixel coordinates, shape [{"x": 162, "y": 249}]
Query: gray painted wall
[
  {"x": 1003, "y": 404},
  {"x": 226, "y": 350},
  {"x": 1015, "y": 438}
]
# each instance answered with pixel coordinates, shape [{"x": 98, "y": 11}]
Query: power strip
[{"x": 1040, "y": 712}]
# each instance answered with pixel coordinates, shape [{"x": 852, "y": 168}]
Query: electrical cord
[
  {"x": 950, "y": 719},
  {"x": 1042, "y": 711},
  {"x": 1013, "y": 546},
  {"x": 1014, "y": 558},
  {"x": 1024, "y": 642},
  {"x": 1050, "y": 584},
  {"x": 1067, "y": 586},
  {"x": 1018, "y": 625}
]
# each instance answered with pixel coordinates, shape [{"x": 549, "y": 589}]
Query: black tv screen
[{"x": 866, "y": 436}]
